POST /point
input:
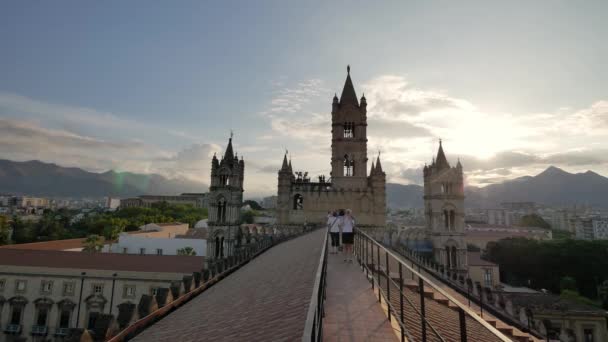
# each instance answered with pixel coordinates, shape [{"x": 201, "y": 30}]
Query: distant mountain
[
  {"x": 45, "y": 179},
  {"x": 553, "y": 186},
  {"x": 404, "y": 196}
]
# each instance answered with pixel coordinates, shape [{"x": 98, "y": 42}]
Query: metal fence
[
  {"x": 313, "y": 328},
  {"x": 422, "y": 309}
]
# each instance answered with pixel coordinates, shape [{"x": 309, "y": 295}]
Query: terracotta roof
[
  {"x": 265, "y": 300},
  {"x": 55, "y": 245},
  {"x": 102, "y": 261},
  {"x": 474, "y": 259},
  {"x": 169, "y": 224},
  {"x": 551, "y": 302}
]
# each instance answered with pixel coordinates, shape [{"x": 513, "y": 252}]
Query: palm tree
[
  {"x": 93, "y": 243},
  {"x": 186, "y": 251}
]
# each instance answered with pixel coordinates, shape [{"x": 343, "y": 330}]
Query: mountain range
[
  {"x": 44, "y": 179},
  {"x": 553, "y": 186}
]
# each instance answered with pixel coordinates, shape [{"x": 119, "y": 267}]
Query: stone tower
[
  {"x": 302, "y": 199},
  {"x": 444, "y": 211},
  {"x": 225, "y": 202},
  {"x": 349, "y": 138}
]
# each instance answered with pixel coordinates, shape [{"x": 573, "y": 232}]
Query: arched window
[
  {"x": 217, "y": 246},
  {"x": 448, "y": 258},
  {"x": 446, "y": 219},
  {"x": 349, "y": 166},
  {"x": 298, "y": 202},
  {"x": 454, "y": 261},
  {"x": 349, "y": 129},
  {"x": 221, "y": 210},
  {"x": 222, "y": 247},
  {"x": 452, "y": 220}
]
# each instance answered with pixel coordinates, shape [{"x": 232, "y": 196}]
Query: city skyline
[{"x": 510, "y": 88}]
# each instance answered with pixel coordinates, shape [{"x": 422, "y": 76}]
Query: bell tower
[
  {"x": 349, "y": 138},
  {"x": 225, "y": 202},
  {"x": 444, "y": 211}
]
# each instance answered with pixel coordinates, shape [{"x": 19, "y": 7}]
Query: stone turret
[{"x": 444, "y": 211}]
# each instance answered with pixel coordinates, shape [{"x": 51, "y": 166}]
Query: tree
[
  {"x": 567, "y": 283},
  {"x": 93, "y": 244},
  {"x": 4, "y": 231},
  {"x": 247, "y": 216},
  {"x": 533, "y": 220},
  {"x": 186, "y": 251}
]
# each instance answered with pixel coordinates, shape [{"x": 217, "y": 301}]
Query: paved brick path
[
  {"x": 266, "y": 300},
  {"x": 352, "y": 311}
]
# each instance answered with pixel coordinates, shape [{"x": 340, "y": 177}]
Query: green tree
[
  {"x": 567, "y": 283},
  {"x": 93, "y": 244},
  {"x": 186, "y": 251},
  {"x": 4, "y": 230},
  {"x": 533, "y": 220},
  {"x": 247, "y": 216}
]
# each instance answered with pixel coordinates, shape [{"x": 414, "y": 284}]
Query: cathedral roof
[
  {"x": 229, "y": 153},
  {"x": 285, "y": 166},
  {"x": 441, "y": 161},
  {"x": 348, "y": 92},
  {"x": 378, "y": 165}
]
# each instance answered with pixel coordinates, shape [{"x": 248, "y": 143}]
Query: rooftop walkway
[
  {"x": 265, "y": 300},
  {"x": 352, "y": 311}
]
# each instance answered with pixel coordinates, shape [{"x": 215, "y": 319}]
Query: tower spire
[
  {"x": 348, "y": 92},
  {"x": 442, "y": 161}
]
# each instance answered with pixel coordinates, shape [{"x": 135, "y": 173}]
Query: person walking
[
  {"x": 334, "y": 231},
  {"x": 348, "y": 225}
]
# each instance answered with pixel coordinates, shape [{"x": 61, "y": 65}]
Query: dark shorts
[
  {"x": 347, "y": 238},
  {"x": 335, "y": 239}
]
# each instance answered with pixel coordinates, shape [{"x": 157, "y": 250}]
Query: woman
[
  {"x": 334, "y": 230},
  {"x": 348, "y": 225}
]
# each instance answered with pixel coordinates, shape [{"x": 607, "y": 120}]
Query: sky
[{"x": 157, "y": 86}]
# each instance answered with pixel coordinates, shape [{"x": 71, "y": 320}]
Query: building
[
  {"x": 302, "y": 200},
  {"x": 559, "y": 220},
  {"x": 480, "y": 235},
  {"x": 146, "y": 245},
  {"x": 112, "y": 203},
  {"x": 482, "y": 271},
  {"x": 45, "y": 293},
  {"x": 444, "y": 211},
  {"x": 30, "y": 202},
  {"x": 558, "y": 318},
  {"x": 197, "y": 200},
  {"x": 225, "y": 202},
  {"x": 582, "y": 228},
  {"x": 600, "y": 228},
  {"x": 269, "y": 202}
]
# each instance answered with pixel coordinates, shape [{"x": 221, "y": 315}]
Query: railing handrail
[
  {"x": 314, "y": 298},
  {"x": 469, "y": 312}
]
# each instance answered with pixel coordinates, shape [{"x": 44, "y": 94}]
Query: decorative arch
[
  {"x": 298, "y": 202},
  {"x": 349, "y": 166},
  {"x": 225, "y": 176},
  {"x": 449, "y": 217},
  {"x": 221, "y": 205}
]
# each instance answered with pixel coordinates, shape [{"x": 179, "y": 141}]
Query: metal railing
[
  {"x": 474, "y": 293},
  {"x": 410, "y": 309},
  {"x": 313, "y": 328}
]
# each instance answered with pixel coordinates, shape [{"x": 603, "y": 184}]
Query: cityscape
[{"x": 258, "y": 172}]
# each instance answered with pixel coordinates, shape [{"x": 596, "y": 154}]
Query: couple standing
[{"x": 341, "y": 225}]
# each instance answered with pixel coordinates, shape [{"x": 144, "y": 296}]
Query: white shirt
[
  {"x": 347, "y": 224},
  {"x": 333, "y": 225}
]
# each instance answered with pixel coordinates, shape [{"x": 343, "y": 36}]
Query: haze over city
[{"x": 511, "y": 88}]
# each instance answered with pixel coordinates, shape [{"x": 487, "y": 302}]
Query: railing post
[
  {"x": 401, "y": 301},
  {"x": 463, "y": 325},
  {"x": 378, "y": 272},
  {"x": 388, "y": 285},
  {"x": 372, "y": 252},
  {"x": 422, "y": 311}
]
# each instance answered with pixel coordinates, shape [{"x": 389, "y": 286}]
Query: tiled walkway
[
  {"x": 352, "y": 311},
  {"x": 265, "y": 300}
]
